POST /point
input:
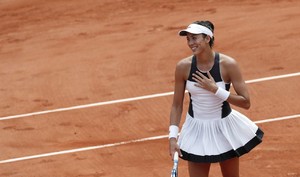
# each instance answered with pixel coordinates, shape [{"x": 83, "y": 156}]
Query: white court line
[
  {"x": 122, "y": 143},
  {"x": 131, "y": 99}
]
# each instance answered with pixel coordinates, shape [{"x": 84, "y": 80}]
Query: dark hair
[{"x": 210, "y": 26}]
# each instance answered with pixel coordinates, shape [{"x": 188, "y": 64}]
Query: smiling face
[{"x": 197, "y": 42}]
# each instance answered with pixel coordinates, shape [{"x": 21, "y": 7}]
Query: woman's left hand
[{"x": 207, "y": 83}]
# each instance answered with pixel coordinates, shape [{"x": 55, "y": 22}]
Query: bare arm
[
  {"x": 181, "y": 75},
  {"x": 179, "y": 91},
  {"x": 233, "y": 73}
]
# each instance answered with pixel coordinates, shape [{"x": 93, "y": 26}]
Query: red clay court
[{"x": 86, "y": 86}]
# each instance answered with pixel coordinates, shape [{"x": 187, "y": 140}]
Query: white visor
[{"x": 196, "y": 29}]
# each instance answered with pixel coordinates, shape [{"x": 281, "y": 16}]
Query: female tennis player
[{"x": 212, "y": 131}]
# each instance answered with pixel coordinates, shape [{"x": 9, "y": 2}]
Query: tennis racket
[{"x": 174, "y": 172}]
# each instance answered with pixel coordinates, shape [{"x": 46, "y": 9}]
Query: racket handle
[
  {"x": 174, "y": 172},
  {"x": 175, "y": 157}
]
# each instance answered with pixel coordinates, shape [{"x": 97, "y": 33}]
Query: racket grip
[{"x": 175, "y": 157}]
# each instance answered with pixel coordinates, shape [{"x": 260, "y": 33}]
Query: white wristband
[
  {"x": 222, "y": 93},
  {"x": 173, "y": 131}
]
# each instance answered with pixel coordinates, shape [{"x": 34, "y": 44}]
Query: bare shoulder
[
  {"x": 186, "y": 62},
  {"x": 229, "y": 68},
  {"x": 227, "y": 61},
  {"x": 183, "y": 67}
]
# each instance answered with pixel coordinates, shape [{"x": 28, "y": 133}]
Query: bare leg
[
  {"x": 198, "y": 169},
  {"x": 230, "y": 168}
]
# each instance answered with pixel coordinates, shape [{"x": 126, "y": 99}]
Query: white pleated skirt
[{"x": 217, "y": 140}]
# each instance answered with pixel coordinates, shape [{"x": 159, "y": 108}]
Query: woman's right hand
[{"x": 173, "y": 147}]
